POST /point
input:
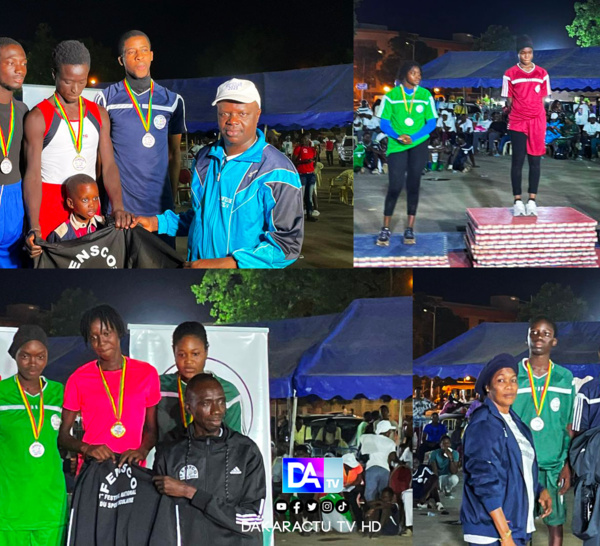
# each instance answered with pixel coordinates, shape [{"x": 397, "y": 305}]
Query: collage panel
[
  {"x": 162, "y": 407},
  {"x": 476, "y": 135},
  {"x": 504, "y": 407},
  {"x": 213, "y": 145}
]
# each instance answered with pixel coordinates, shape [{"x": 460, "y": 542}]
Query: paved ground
[
  {"x": 440, "y": 531},
  {"x": 327, "y": 242},
  {"x": 443, "y": 202}
]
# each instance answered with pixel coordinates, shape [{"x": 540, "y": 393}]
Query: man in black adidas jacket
[{"x": 213, "y": 479}]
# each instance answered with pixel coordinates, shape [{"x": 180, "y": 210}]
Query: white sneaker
[
  {"x": 519, "y": 208},
  {"x": 421, "y": 506},
  {"x": 316, "y": 213},
  {"x": 531, "y": 208},
  {"x": 439, "y": 506}
]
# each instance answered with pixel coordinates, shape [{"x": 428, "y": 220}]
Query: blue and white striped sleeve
[
  {"x": 100, "y": 99},
  {"x": 581, "y": 412},
  {"x": 281, "y": 242}
]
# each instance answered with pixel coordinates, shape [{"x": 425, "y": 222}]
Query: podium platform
[
  {"x": 431, "y": 250},
  {"x": 557, "y": 237}
]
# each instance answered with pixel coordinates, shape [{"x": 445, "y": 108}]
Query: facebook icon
[{"x": 306, "y": 475}]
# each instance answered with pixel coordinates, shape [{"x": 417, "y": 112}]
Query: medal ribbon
[
  {"x": 412, "y": 100},
  {"x": 36, "y": 429},
  {"x": 540, "y": 405},
  {"x": 77, "y": 139},
  {"x": 121, "y": 391},
  {"x": 138, "y": 108},
  {"x": 5, "y": 144},
  {"x": 181, "y": 404}
]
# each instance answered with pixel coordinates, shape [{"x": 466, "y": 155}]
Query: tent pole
[
  {"x": 293, "y": 423},
  {"x": 401, "y": 420}
]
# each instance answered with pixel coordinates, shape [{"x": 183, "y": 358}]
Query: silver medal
[
  {"x": 6, "y": 166},
  {"x": 36, "y": 450},
  {"x": 148, "y": 140},
  {"x": 537, "y": 424},
  {"x": 79, "y": 163},
  {"x": 409, "y": 121}
]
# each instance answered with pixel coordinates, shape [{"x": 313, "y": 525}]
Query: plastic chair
[
  {"x": 507, "y": 150},
  {"x": 343, "y": 181},
  {"x": 185, "y": 179},
  {"x": 346, "y": 190},
  {"x": 318, "y": 176}
]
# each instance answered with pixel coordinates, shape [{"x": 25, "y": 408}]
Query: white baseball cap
[
  {"x": 350, "y": 460},
  {"x": 239, "y": 90},
  {"x": 383, "y": 427}
]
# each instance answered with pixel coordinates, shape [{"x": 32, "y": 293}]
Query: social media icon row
[{"x": 311, "y": 506}]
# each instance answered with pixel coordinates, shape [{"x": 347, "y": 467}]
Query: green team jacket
[
  {"x": 170, "y": 426},
  {"x": 552, "y": 442},
  {"x": 33, "y": 495}
]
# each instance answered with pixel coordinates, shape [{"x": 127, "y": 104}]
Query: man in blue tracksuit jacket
[
  {"x": 493, "y": 473},
  {"x": 247, "y": 207}
]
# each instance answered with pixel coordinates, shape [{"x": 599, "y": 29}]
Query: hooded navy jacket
[{"x": 493, "y": 472}]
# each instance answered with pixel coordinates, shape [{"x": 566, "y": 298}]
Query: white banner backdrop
[
  {"x": 239, "y": 355},
  {"x": 34, "y": 94},
  {"x": 8, "y": 366}
]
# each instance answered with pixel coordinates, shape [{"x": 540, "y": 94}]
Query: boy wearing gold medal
[
  {"x": 33, "y": 495},
  {"x": 545, "y": 404}
]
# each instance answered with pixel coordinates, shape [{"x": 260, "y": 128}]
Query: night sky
[
  {"x": 141, "y": 296},
  {"x": 543, "y": 21},
  {"x": 180, "y": 30},
  {"x": 477, "y": 285}
]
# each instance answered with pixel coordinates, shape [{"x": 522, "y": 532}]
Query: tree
[
  {"x": 356, "y": 4},
  {"x": 365, "y": 64},
  {"x": 447, "y": 325},
  {"x": 39, "y": 55},
  {"x": 65, "y": 315},
  {"x": 557, "y": 302},
  {"x": 496, "y": 38},
  {"x": 105, "y": 66},
  {"x": 252, "y": 295},
  {"x": 401, "y": 47},
  {"x": 104, "y": 63},
  {"x": 586, "y": 25}
]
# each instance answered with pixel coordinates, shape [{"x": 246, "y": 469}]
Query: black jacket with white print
[{"x": 228, "y": 507}]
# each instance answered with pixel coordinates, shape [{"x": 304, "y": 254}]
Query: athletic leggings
[
  {"x": 405, "y": 166},
  {"x": 519, "y": 151}
]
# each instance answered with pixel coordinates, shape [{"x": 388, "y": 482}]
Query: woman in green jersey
[
  {"x": 408, "y": 117},
  {"x": 190, "y": 348},
  {"x": 33, "y": 496}
]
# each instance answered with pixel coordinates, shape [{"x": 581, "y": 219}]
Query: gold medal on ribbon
[
  {"x": 537, "y": 423},
  {"x": 36, "y": 449},
  {"x": 118, "y": 429}
]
